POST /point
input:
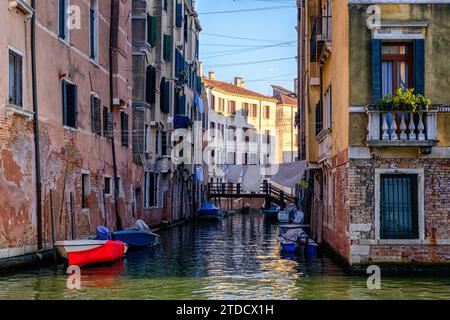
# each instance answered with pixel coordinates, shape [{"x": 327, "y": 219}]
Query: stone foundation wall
[{"x": 435, "y": 245}]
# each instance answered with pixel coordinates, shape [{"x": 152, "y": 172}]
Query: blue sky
[{"x": 269, "y": 27}]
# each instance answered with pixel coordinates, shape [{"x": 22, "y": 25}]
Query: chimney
[
  {"x": 200, "y": 69},
  {"x": 238, "y": 81},
  {"x": 211, "y": 75}
]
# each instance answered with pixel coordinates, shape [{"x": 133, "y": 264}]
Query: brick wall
[{"x": 436, "y": 245}]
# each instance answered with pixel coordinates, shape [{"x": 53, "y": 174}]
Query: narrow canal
[{"x": 237, "y": 258}]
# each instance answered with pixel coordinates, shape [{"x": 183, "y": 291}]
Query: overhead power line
[
  {"x": 247, "y": 63},
  {"x": 239, "y": 51},
  {"x": 247, "y": 10},
  {"x": 243, "y": 38}
]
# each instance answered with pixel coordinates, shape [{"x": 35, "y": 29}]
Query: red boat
[{"x": 85, "y": 252}]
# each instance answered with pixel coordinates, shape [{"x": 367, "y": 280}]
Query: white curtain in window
[{"x": 387, "y": 77}]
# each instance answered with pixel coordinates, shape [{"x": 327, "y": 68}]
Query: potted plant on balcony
[{"x": 403, "y": 101}]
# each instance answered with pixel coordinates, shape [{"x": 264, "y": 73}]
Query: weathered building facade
[
  {"x": 166, "y": 92},
  {"x": 381, "y": 183},
  {"x": 82, "y": 173},
  {"x": 89, "y": 100}
]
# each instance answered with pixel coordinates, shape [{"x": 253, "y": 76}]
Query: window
[
  {"x": 319, "y": 116},
  {"x": 95, "y": 115},
  {"x": 245, "y": 108},
  {"x": 107, "y": 185},
  {"x": 327, "y": 112},
  {"x": 150, "y": 85},
  {"x": 167, "y": 47},
  {"x": 84, "y": 190},
  {"x": 254, "y": 110},
  {"x": 179, "y": 15},
  {"x": 146, "y": 137},
  {"x": 399, "y": 206},
  {"x": 396, "y": 67},
  {"x": 63, "y": 30},
  {"x": 69, "y": 95},
  {"x": 157, "y": 142},
  {"x": 231, "y": 107},
  {"x": 105, "y": 121},
  {"x": 151, "y": 30},
  {"x": 15, "y": 79},
  {"x": 124, "y": 128},
  {"x": 164, "y": 143},
  {"x": 93, "y": 30},
  {"x": 266, "y": 112},
  {"x": 213, "y": 102},
  {"x": 151, "y": 196}
]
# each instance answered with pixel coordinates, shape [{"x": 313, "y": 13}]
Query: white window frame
[
  {"x": 66, "y": 40},
  {"x": 420, "y": 204},
  {"x": 110, "y": 185},
  {"x": 21, "y": 54}
]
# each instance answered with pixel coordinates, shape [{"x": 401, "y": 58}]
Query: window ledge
[
  {"x": 18, "y": 111},
  {"x": 22, "y": 6},
  {"x": 401, "y": 143},
  {"x": 70, "y": 128}
]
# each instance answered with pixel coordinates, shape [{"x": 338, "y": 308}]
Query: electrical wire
[
  {"x": 247, "y": 63},
  {"x": 243, "y": 38},
  {"x": 247, "y": 10}
]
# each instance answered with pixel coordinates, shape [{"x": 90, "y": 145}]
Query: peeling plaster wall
[{"x": 65, "y": 153}]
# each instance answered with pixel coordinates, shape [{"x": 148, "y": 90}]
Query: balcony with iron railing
[
  {"x": 402, "y": 128},
  {"x": 320, "y": 40}
]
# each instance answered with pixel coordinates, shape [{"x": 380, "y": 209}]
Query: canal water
[{"x": 237, "y": 258}]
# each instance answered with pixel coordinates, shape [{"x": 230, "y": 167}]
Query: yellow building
[
  {"x": 382, "y": 173},
  {"x": 242, "y": 125},
  {"x": 286, "y": 131}
]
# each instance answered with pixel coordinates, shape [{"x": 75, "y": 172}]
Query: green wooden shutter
[
  {"x": 376, "y": 70},
  {"x": 151, "y": 30},
  {"x": 167, "y": 47},
  {"x": 419, "y": 66}
]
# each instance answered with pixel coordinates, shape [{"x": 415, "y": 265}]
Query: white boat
[{"x": 64, "y": 247}]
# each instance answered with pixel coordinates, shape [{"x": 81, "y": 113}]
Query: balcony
[
  {"x": 401, "y": 128},
  {"x": 320, "y": 41}
]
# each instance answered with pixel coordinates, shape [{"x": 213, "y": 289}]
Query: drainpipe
[
  {"x": 37, "y": 157},
  {"x": 112, "y": 34}
]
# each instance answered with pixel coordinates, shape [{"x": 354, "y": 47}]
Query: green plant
[{"x": 403, "y": 101}]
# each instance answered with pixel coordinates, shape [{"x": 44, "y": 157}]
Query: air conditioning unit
[
  {"x": 164, "y": 164},
  {"x": 179, "y": 44},
  {"x": 154, "y": 124},
  {"x": 190, "y": 63}
]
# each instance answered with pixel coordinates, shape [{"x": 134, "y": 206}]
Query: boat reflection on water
[{"x": 105, "y": 276}]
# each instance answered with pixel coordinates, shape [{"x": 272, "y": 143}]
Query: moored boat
[
  {"x": 210, "y": 212},
  {"x": 86, "y": 252},
  {"x": 136, "y": 238}
]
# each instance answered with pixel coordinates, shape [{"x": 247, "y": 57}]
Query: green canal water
[{"x": 237, "y": 258}]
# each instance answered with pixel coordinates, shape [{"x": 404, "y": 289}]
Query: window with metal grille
[
  {"x": 124, "y": 128},
  {"x": 15, "y": 79},
  {"x": 399, "y": 206},
  {"x": 69, "y": 95}
]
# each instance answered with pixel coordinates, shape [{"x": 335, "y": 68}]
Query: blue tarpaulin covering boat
[
  {"x": 210, "y": 211},
  {"x": 137, "y": 238}
]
